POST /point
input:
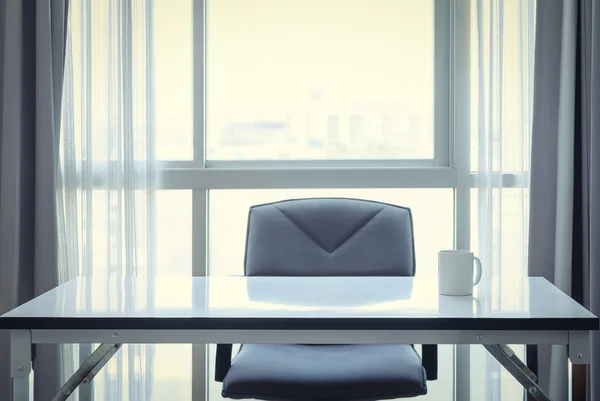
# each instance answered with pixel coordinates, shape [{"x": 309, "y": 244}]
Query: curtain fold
[
  {"x": 33, "y": 35},
  {"x": 107, "y": 173},
  {"x": 565, "y": 163},
  {"x": 501, "y": 129}
]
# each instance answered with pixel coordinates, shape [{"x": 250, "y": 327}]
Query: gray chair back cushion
[{"x": 329, "y": 237}]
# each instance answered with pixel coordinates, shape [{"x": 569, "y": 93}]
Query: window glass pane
[
  {"x": 432, "y": 211},
  {"x": 106, "y": 244},
  {"x": 102, "y": 243},
  {"x": 128, "y": 375},
  {"x": 173, "y": 67},
  {"x": 170, "y": 383},
  {"x": 490, "y": 380},
  {"x": 161, "y": 55},
  {"x": 320, "y": 79},
  {"x": 139, "y": 371},
  {"x": 508, "y": 233},
  {"x": 501, "y": 84},
  {"x": 174, "y": 233}
]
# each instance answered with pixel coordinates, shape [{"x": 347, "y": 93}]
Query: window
[
  {"x": 174, "y": 233},
  {"x": 327, "y": 111},
  {"x": 173, "y": 68},
  {"x": 255, "y": 101},
  {"x": 314, "y": 79}
]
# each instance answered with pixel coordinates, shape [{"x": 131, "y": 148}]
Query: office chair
[{"x": 327, "y": 237}]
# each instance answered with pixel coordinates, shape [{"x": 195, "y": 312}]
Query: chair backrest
[{"x": 329, "y": 237}]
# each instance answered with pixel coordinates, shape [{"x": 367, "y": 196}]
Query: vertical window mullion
[
  {"x": 460, "y": 126},
  {"x": 442, "y": 59},
  {"x": 199, "y": 196}
]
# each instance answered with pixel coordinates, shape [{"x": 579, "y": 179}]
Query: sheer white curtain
[
  {"x": 501, "y": 128},
  {"x": 106, "y": 196}
]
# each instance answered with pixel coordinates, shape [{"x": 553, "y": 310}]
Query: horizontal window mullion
[
  {"x": 257, "y": 178},
  {"x": 270, "y": 178},
  {"x": 179, "y": 164},
  {"x": 370, "y": 163}
]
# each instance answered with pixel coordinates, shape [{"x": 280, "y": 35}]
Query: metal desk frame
[{"x": 495, "y": 341}]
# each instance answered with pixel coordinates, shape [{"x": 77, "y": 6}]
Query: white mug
[{"x": 455, "y": 272}]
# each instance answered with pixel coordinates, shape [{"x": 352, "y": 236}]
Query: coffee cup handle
[{"x": 478, "y": 271}]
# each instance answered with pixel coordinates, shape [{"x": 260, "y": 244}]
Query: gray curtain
[
  {"x": 565, "y": 169},
  {"x": 32, "y": 44}
]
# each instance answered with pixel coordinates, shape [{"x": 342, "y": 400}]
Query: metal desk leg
[
  {"x": 463, "y": 372},
  {"x": 88, "y": 370},
  {"x": 532, "y": 362},
  {"x": 511, "y": 362},
  {"x": 579, "y": 387},
  {"x": 20, "y": 363},
  {"x": 579, "y": 355},
  {"x": 20, "y": 388}
]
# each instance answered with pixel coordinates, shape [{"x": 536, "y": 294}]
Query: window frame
[
  {"x": 202, "y": 175},
  {"x": 449, "y": 168}
]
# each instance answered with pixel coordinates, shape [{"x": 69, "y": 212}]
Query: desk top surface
[{"x": 302, "y": 303}]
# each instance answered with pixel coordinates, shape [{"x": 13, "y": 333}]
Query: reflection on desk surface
[{"x": 314, "y": 297}]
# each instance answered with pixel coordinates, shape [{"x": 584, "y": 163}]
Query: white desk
[{"x": 294, "y": 310}]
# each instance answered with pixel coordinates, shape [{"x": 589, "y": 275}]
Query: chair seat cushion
[{"x": 296, "y": 372}]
